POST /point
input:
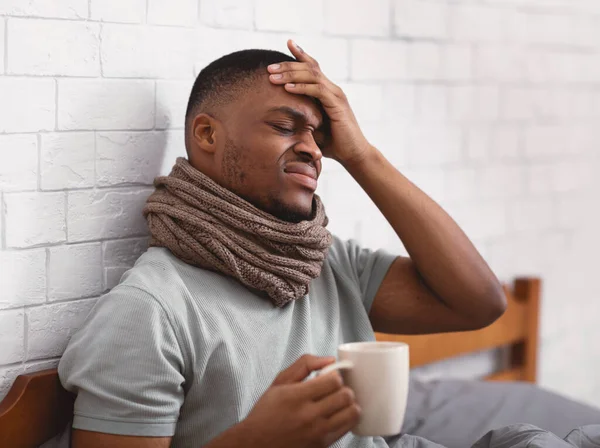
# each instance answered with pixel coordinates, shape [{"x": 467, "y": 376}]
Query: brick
[
  {"x": 552, "y": 103},
  {"x": 173, "y": 12},
  {"x": 171, "y": 103},
  {"x": 531, "y": 214},
  {"x": 536, "y": 28},
  {"x": 125, "y": 11},
  {"x": 389, "y": 138},
  {"x": 32, "y": 104},
  {"x": 506, "y": 143},
  {"x": 501, "y": 63},
  {"x": 330, "y": 52},
  {"x": 175, "y": 148},
  {"x": 542, "y": 141},
  {"x": 500, "y": 181},
  {"x": 18, "y": 162},
  {"x": 130, "y": 51},
  {"x": 120, "y": 256},
  {"x": 105, "y": 104},
  {"x": 573, "y": 211},
  {"x": 379, "y": 60},
  {"x": 67, "y": 160},
  {"x": 480, "y": 220},
  {"x": 2, "y": 46},
  {"x": 65, "y": 9},
  {"x": 361, "y": 19},
  {"x": 460, "y": 184},
  {"x": 289, "y": 15},
  {"x": 227, "y": 13},
  {"x": 74, "y": 271},
  {"x": 34, "y": 218},
  {"x": 366, "y": 100},
  {"x": 478, "y": 142},
  {"x": 103, "y": 214},
  {"x": 475, "y": 23},
  {"x": 457, "y": 62},
  {"x": 128, "y": 157},
  {"x": 421, "y": 19},
  {"x": 474, "y": 103},
  {"x": 572, "y": 176},
  {"x": 517, "y": 103},
  {"x": 399, "y": 102},
  {"x": 51, "y": 326},
  {"x": 432, "y": 103},
  {"x": 585, "y": 30},
  {"x": 434, "y": 144},
  {"x": 424, "y": 61},
  {"x": 12, "y": 325},
  {"x": 23, "y": 277},
  {"x": 53, "y": 47},
  {"x": 539, "y": 178}
]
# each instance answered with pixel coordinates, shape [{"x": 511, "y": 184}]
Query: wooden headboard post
[{"x": 524, "y": 354}]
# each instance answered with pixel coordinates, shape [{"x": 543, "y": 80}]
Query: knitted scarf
[{"x": 208, "y": 226}]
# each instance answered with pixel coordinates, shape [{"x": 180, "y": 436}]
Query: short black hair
[{"x": 224, "y": 79}]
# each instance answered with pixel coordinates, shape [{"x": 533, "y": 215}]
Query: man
[{"x": 210, "y": 338}]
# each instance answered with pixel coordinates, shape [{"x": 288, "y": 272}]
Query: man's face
[{"x": 271, "y": 156}]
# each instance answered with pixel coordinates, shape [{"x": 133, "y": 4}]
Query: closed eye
[{"x": 282, "y": 129}]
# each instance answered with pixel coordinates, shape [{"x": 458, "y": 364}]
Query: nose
[{"x": 307, "y": 147}]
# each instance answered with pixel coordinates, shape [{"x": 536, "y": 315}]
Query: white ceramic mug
[{"x": 377, "y": 372}]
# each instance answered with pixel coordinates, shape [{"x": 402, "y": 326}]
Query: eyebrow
[{"x": 296, "y": 114}]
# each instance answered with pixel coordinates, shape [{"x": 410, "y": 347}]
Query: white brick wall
[
  {"x": 53, "y": 47},
  {"x": 18, "y": 162},
  {"x": 67, "y": 160},
  {"x": 490, "y": 107}
]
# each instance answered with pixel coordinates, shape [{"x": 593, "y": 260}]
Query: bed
[{"x": 450, "y": 412}]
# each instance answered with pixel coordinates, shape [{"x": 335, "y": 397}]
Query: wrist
[{"x": 360, "y": 159}]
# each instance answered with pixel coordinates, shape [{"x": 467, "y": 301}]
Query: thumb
[{"x": 302, "y": 368}]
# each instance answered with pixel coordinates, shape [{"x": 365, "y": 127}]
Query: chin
[{"x": 292, "y": 211}]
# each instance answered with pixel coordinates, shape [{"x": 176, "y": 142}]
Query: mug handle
[{"x": 346, "y": 364}]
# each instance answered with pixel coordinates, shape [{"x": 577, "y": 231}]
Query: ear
[{"x": 204, "y": 132}]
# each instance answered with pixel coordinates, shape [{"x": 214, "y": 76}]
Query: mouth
[{"x": 303, "y": 174}]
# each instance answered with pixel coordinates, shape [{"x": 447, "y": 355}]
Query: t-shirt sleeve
[
  {"x": 126, "y": 367},
  {"x": 369, "y": 269}
]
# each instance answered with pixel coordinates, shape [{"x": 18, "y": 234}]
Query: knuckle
[
  {"x": 347, "y": 396},
  {"x": 336, "y": 381}
]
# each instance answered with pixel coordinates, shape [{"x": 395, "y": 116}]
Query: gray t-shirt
[{"x": 179, "y": 351}]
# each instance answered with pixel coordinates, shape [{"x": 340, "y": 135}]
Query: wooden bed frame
[{"x": 37, "y": 407}]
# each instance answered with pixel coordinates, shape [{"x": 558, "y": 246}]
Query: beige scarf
[{"x": 208, "y": 226}]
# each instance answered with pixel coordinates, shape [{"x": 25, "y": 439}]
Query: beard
[{"x": 234, "y": 174}]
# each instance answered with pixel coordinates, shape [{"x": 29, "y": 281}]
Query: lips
[
  {"x": 301, "y": 168},
  {"x": 302, "y": 174}
]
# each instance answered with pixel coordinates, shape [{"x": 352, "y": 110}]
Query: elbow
[{"x": 492, "y": 306}]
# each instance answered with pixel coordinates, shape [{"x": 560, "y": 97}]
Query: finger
[
  {"x": 302, "y": 368},
  {"x": 299, "y": 53},
  {"x": 319, "y": 91},
  {"x": 287, "y": 66},
  {"x": 321, "y": 386},
  {"x": 342, "y": 422},
  {"x": 336, "y": 402},
  {"x": 303, "y": 76}
]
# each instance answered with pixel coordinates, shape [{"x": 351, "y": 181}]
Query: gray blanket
[{"x": 517, "y": 436}]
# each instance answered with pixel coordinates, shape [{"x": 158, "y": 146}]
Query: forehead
[{"x": 265, "y": 96}]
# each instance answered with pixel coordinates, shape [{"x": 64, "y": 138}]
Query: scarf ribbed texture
[{"x": 208, "y": 226}]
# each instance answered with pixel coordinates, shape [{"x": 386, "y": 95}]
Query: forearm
[
  {"x": 445, "y": 258},
  {"x": 238, "y": 435}
]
